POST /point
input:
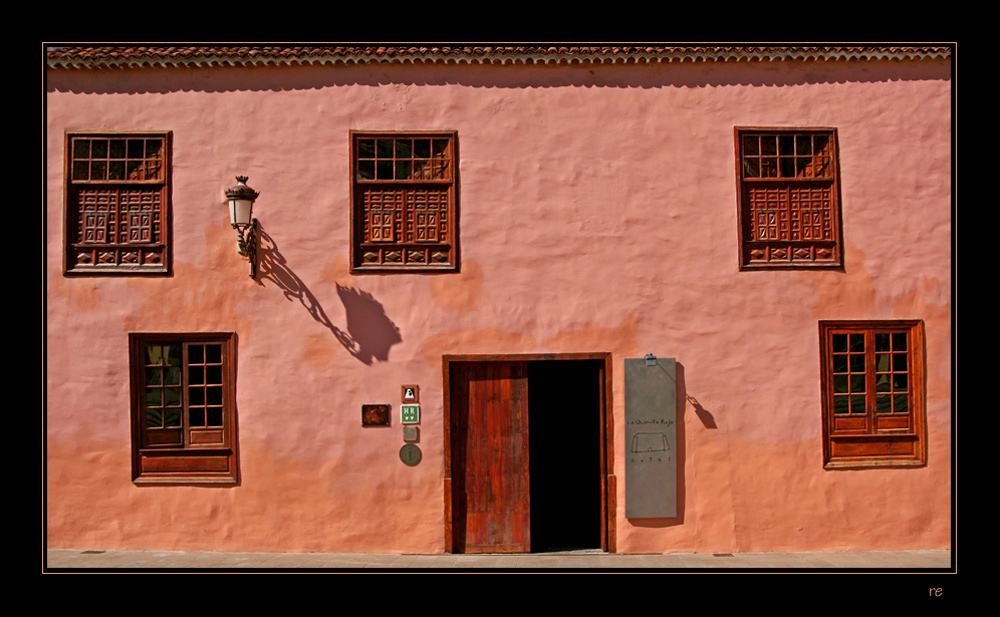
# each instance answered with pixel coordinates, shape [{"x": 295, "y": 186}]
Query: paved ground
[{"x": 75, "y": 559}]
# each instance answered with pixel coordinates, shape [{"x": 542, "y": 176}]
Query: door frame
[{"x": 608, "y": 482}]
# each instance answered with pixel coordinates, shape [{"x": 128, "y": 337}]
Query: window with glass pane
[
  {"x": 873, "y": 398},
  {"x": 117, "y": 198},
  {"x": 789, "y": 198},
  {"x": 405, "y": 202},
  {"x": 183, "y": 408}
]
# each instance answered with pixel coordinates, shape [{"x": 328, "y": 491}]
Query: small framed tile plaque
[
  {"x": 411, "y": 394},
  {"x": 375, "y": 415}
]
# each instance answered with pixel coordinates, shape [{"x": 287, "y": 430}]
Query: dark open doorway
[
  {"x": 526, "y": 453},
  {"x": 565, "y": 454}
]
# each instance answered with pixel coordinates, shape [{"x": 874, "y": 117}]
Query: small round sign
[{"x": 410, "y": 454}]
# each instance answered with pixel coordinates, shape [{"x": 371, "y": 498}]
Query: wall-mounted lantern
[{"x": 241, "y": 198}]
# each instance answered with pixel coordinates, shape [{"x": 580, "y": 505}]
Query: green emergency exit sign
[{"x": 409, "y": 414}]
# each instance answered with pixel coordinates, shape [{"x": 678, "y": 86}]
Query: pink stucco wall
[{"x": 598, "y": 213}]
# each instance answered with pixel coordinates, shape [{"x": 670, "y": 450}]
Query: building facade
[{"x": 656, "y": 299}]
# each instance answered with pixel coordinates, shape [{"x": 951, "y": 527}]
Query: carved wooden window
[
  {"x": 117, "y": 203},
  {"x": 873, "y": 393},
  {"x": 405, "y": 202},
  {"x": 789, "y": 198},
  {"x": 183, "y": 408}
]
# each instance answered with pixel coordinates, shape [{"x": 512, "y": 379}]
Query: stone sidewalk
[{"x": 81, "y": 559}]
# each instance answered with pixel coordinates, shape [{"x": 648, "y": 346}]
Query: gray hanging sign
[{"x": 650, "y": 437}]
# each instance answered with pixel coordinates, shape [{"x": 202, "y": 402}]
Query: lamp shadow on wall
[{"x": 369, "y": 334}]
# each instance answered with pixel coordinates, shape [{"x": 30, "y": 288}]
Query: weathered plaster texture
[{"x": 597, "y": 214}]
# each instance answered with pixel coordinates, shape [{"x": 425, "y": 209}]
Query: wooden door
[{"x": 489, "y": 454}]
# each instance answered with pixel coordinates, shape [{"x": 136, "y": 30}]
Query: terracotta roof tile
[{"x": 125, "y": 56}]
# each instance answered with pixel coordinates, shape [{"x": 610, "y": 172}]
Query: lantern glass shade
[{"x": 240, "y": 211}]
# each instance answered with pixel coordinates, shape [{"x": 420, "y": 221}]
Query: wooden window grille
[
  {"x": 117, "y": 191},
  {"x": 789, "y": 198},
  {"x": 183, "y": 408},
  {"x": 405, "y": 202},
  {"x": 873, "y": 393}
]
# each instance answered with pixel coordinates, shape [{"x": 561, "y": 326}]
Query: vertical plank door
[{"x": 490, "y": 457}]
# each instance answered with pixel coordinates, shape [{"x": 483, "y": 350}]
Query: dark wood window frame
[
  {"x": 117, "y": 203},
  {"x": 873, "y": 384},
  {"x": 788, "y": 194},
  {"x": 183, "y": 408},
  {"x": 404, "y": 195}
]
